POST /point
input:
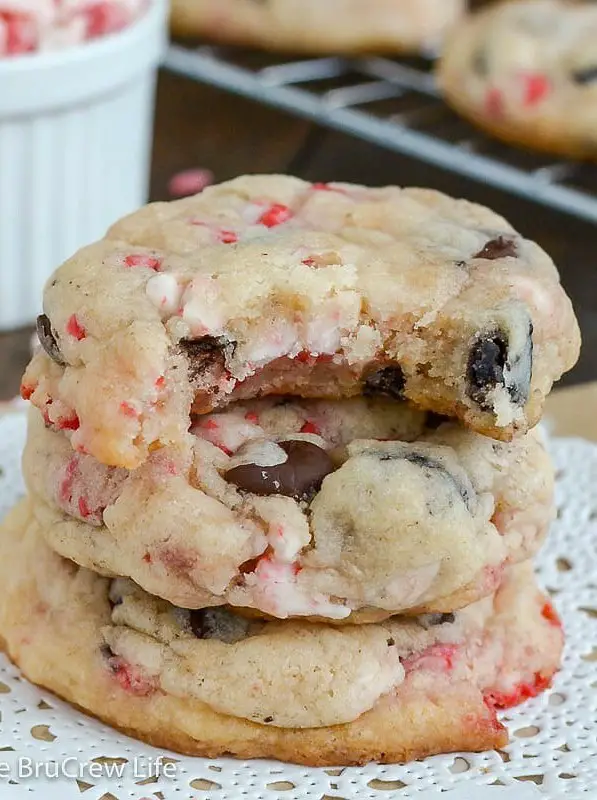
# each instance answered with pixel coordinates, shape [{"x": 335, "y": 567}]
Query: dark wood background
[{"x": 200, "y": 126}]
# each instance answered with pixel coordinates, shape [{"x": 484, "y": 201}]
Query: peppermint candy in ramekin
[
  {"x": 29, "y": 26},
  {"x": 76, "y": 108}
]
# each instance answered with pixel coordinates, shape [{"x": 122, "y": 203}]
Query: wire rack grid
[{"x": 394, "y": 104}]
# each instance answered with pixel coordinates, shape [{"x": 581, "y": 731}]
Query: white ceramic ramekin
[{"x": 75, "y": 143}]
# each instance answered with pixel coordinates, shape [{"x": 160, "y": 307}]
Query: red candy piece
[
  {"x": 160, "y": 382},
  {"x": 251, "y": 416},
  {"x": 68, "y": 423},
  {"x": 304, "y": 357},
  {"x": 66, "y": 486},
  {"x": 310, "y": 427},
  {"x": 104, "y": 17},
  {"x": 74, "y": 328},
  {"x": 189, "y": 181},
  {"x": 520, "y": 693},
  {"x": 275, "y": 215},
  {"x": 308, "y": 262},
  {"x": 551, "y": 615},
  {"x": 128, "y": 410},
  {"x": 130, "y": 678},
  {"x": 143, "y": 261},
  {"x": 322, "y": 187},
  {"x": 438, "y": 657},
  {"x": 84, "y": 509},
  {"x": 222, "y": 235},
  {"x": 536, "y": 88},
  {"x": 20, "y": 32},
  {"x": 494, "y": 103},
  {"x": 27, "y": 391},
  {"x": 227, "y": 237}
]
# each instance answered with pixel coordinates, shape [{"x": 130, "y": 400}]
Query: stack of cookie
[{"x": 283, "y": 487}]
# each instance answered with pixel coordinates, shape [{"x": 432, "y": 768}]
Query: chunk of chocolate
[
  {"x": 204, "y": 353},
  {"x": 585, "y": 76},
  {"x": 388, "y": 382},
  {"x": 491, "y": 364},
  {"x": 47, "y": 339},
  {"x": 299, "y": 476},
  {"x": 500, "y": 247}
]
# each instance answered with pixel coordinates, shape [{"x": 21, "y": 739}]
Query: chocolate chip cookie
[
  {"x": 310, "y": 26},
  {"x": 526, "y": 71},
  {"x": 209, "y": 682},
  {"x": 268, "y": 285},
  {"x": 349, "y": 510}
]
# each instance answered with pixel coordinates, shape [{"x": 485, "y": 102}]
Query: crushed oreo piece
[
  {"x": 47, "y": 339},
  {"x": 209, "y": 351},
  {"x": 218, "y": 623},
  {"x": 491, "y": 365},
  {"x": 431, "y": 464},
  {"x": 386, "y": 382},
  {"x": 585, "y": 76},
  {"x": 431, "y": 620}
]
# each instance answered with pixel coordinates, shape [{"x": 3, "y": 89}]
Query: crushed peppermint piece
[
  {"x": 75, "y": 329},
  {"x": 276, "y": 214},
  {"x": 143, "y": 261}
]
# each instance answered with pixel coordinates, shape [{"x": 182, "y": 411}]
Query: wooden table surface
[{"x": 200, "y": 126}]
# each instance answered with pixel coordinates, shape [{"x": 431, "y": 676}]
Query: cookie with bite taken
[{"x": 269, "y": 285}]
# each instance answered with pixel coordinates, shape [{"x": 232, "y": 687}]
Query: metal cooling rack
[{"x": 394, "y": 104}]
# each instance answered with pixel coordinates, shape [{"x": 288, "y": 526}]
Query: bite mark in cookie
[{"x": 351, "y": 291}]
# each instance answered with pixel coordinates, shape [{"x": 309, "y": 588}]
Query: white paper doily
[{"x": 553, "y": 752}]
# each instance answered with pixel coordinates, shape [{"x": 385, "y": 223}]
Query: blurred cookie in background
[
  {"x": 319, "y": 26},
  {"x": 526, "y": 72}
]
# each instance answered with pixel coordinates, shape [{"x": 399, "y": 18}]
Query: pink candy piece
[
  {"x": 143, "y": 261},
  {"x": 74, "y": 328},
  {"x": 536, "y": 88},
  {"x": 104, "y": 17},
  {"x": 20, "y": 33},
  {"x": 276, "y": 214},
  {"x": 189, "y": 181}
]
